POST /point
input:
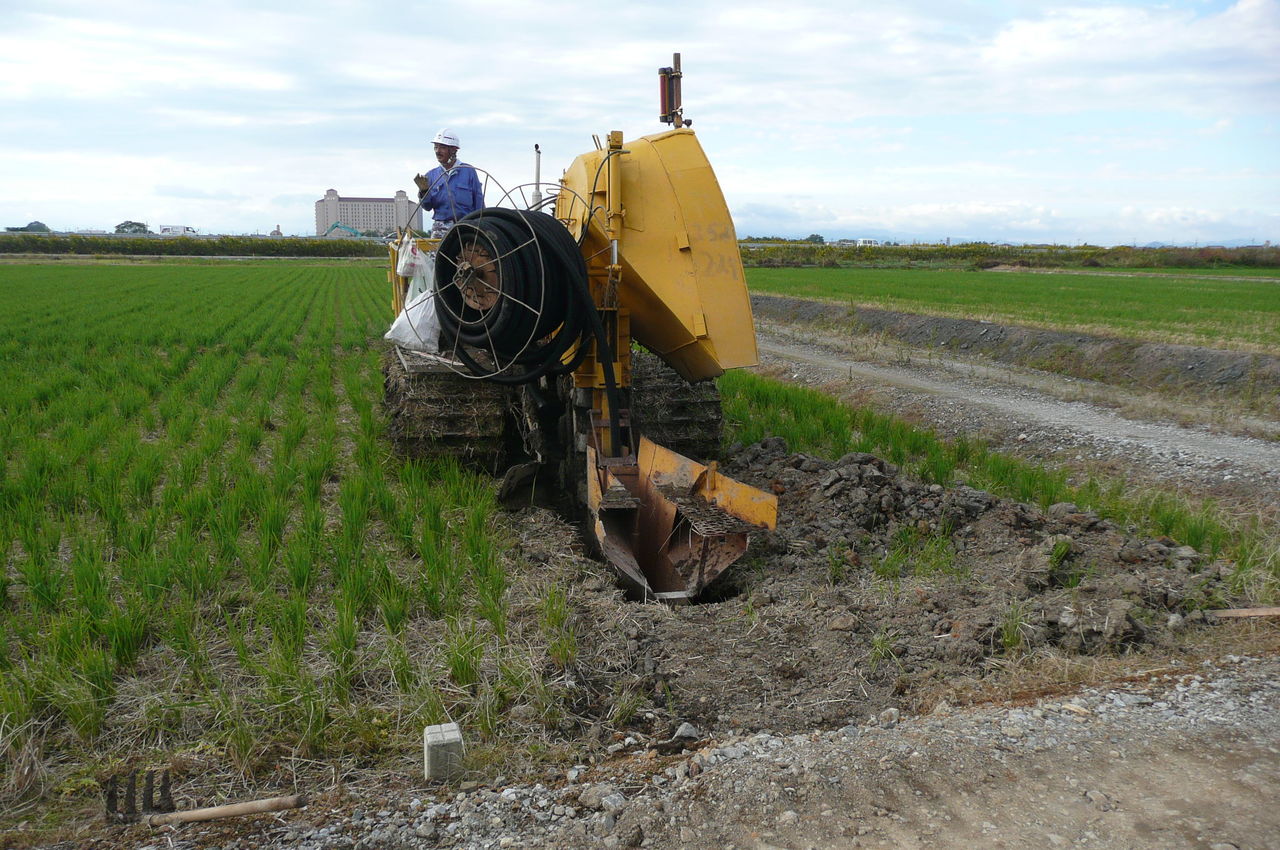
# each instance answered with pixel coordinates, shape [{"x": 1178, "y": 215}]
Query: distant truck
[{"x": 177, "y": 230}]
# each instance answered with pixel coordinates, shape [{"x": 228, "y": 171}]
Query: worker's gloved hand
[{"x": 423, "y": 185}]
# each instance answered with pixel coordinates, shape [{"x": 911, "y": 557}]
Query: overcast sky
[{"x": 1107, "y": 122}]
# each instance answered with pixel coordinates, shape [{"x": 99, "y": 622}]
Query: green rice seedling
[
  {"x": 558, "y": 627},
  {"x": 252, "y": 483},
  {"x": 195, "y": 510},
  {"x": 936, "y": 554},
  {"x": 238, "y": 735},
  {"x": 491, "y": 600},
  {"x": 138, "y": 537},
  {"x": 315, "y": 472},
  {"x": 251, "y": 434},
  {"x": 148, "y": 466},
  {"x": 271, "y": 522},
  {"x": 487, "y": 574},
  {"x": 1013, "y": 627},
  {"x": 38, "y": 470},
  {"x": 17, "y": 704},
  {"x": 289, "y": 626},
  {"x": 45, "y": 582},
  {"x": 964, "y": 449},
  {"x": 147, "y": 575},
  {"x": 882, "y": 649},
  {"x": 394, "y": 601},
  {"x": 382, "y": 498},
  {"x": 428, "y": 704},
  {"x": 463, "y": 651},
  {"x": 68, "y": 635},
  {"x": 434, "y": 532},
  {"x": 294, "y": 430},
  {"x": 216, "y": 430},
  {"x": 299, "y": 564},
  {"x": 260, "y": 568},
  {"x": 283, "y": 476},
  {"x": 937, "y": 467},
  {"x": 326, "y": 398},
  {"x": 40, "y": 535},
  {"x": 353, "y": 501},
  {"x": 627, "y": 702},
  {"x": 82, "y": 692},
  {"x": 235, "y": 632},
  {"x": 357, "y": 577},
  {"x": 341, "y": 645},
  {"x": 184, "y": 634},
  {"x": 225, "y": 524},
  {"x": 913, "y": 551},
  {"x": 184, "y": 476},
  {"x": 439, "y": 571},
  {"x": 837, "y": 562},
  {"x": 191, "y": 567},
  {"x": 125, "y": 631},
  {"x": 486, "y": 711},
  {"x": 129, "y": 400},
  {"x": 403, "y": 672}
]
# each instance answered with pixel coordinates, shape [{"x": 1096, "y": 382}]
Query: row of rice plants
[
  {"x": 221, "y": 550},
  {"x": 811, "y": 421}
]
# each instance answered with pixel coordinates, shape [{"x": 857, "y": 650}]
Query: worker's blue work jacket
[{"x": 454, "y": 193}]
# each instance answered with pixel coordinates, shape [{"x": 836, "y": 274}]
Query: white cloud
[{"x": 1031, "y": 116}]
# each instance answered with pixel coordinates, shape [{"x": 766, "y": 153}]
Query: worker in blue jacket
[{"x": 451, "y": 189}]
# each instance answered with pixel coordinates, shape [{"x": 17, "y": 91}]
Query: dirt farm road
[{"x": 1039, "y": 414}]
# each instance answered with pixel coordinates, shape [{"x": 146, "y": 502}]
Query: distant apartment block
[{"x": 382, "y": 215}]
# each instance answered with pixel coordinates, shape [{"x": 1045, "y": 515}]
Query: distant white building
[{"x": 382, "y": 215}]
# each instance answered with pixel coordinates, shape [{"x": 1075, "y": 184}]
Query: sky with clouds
[{"x": 1107, "y": 122}]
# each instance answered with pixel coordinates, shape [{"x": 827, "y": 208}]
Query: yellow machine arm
[{"x": 679, "y": 269}]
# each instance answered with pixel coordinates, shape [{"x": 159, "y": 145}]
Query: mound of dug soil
[{"x": 876, "y": 586}]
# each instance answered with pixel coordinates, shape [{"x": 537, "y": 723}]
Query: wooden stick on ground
[
  {"x": 275, "y": 804},
  {"x": 1246, "y": 612}
]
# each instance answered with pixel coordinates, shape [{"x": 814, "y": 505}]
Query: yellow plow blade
[{"x": 671, "y": 525}]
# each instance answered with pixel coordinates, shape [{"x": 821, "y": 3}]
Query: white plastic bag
[
  {"x": 420, "y": 282},
  {"x": 409, "y": 257},
  {"x": 418, "y": 327}
]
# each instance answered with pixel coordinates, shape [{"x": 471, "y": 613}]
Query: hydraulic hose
[{"x": 542, "y": 306}]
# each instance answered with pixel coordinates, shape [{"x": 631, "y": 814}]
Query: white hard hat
[{"x": 446, "y": 137}]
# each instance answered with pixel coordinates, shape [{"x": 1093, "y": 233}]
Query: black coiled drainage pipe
[{"x": 513, "y": 300}]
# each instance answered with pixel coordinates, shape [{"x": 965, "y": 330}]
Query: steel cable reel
[
  {"x": 510, "y": 288},
  {"x": 508, "y": 294},
  {"x": 512, "y": 296}
]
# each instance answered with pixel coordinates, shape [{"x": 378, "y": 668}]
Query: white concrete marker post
[{"x": 441, "y": 751}]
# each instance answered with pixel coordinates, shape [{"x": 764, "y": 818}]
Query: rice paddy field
[
  {"x": 211, "y": 557},
  {"x": 209, "y": 550},
  {"x": 1195, "y": 309}
]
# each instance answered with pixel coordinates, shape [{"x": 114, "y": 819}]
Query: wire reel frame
[{"x": 493, "y": 278}]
